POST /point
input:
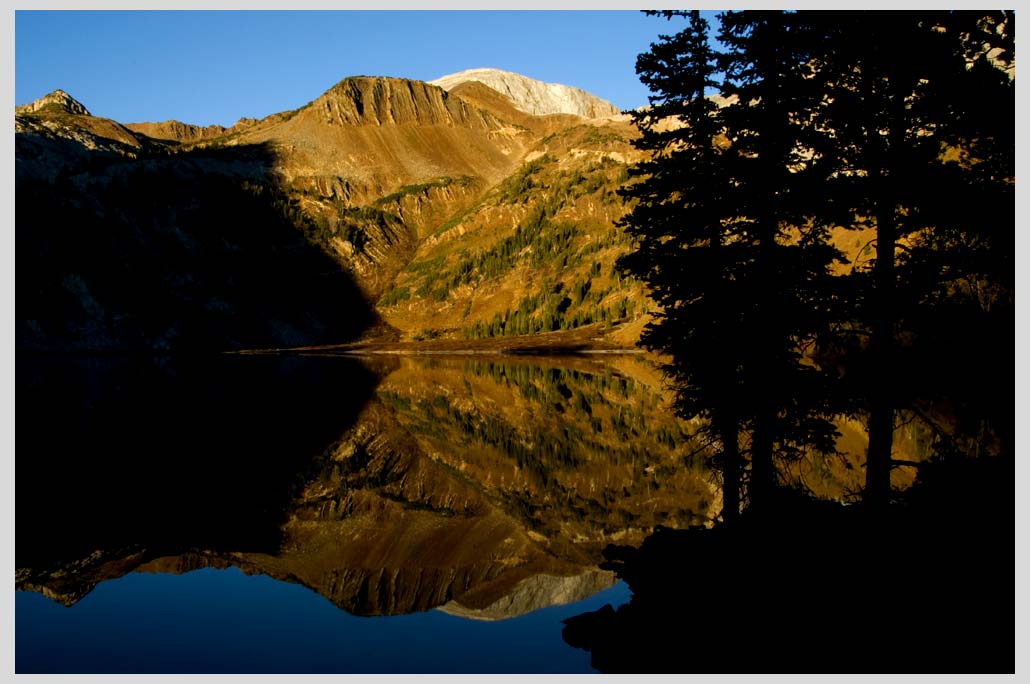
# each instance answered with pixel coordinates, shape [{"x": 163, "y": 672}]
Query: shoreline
[{"x": 557, "y": 343}]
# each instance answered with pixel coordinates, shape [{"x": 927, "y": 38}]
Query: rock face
[
  {"x": 58, "y": 100},
  {"x": 532, "y": 96}
]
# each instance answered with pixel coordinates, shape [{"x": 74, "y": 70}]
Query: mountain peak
[
  {"x": 379, "y": 100},
  {"x": 56, "y": 100},
  {"x": 533, "y": 96}
]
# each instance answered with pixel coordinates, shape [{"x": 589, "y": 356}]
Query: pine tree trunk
[
  {"x": 767, "y": 343},
  {"x": 883, "y": 319},
  {"x": 729, "y": 435},
  {"x": 761, "y": 485},
  {"x": 881, "y": 405}
]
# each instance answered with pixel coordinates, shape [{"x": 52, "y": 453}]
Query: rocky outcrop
[
  {"x": 532, "y": 96},
  {"x": 57, "y": 100},
  {"x": 176, "y": 131}
]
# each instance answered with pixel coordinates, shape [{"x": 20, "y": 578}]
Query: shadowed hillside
[{"x": 196, "y": 250}]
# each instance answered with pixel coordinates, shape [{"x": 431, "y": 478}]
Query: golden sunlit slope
[
  {"x": 536, "y": 253},
  {"x": 373, "y": 135}
]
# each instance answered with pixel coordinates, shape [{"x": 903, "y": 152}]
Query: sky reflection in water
[{"x": 222, "y": 621}]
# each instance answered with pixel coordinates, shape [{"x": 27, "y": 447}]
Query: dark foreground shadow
[
  {"x": 816, "y": 587},
  {"x": 121, "y": 456}
]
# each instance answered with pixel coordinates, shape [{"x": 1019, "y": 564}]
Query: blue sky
[{"x": 214, "y": 67}]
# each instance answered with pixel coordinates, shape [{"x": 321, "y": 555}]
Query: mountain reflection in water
[{"x": 486, "y": 488}]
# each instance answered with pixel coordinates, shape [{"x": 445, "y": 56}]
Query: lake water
[{"x": 329, "y": 514}]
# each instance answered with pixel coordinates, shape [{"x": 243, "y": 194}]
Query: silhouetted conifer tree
[
  {"x": 785, "y": 259},
  {"x": 724, "y": 244},
  {"x": 681, "y": 131}
]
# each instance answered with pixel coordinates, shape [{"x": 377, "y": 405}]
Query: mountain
[
  {"x": 394, "y": 183},
  {"x": 532, "y": 96}
]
